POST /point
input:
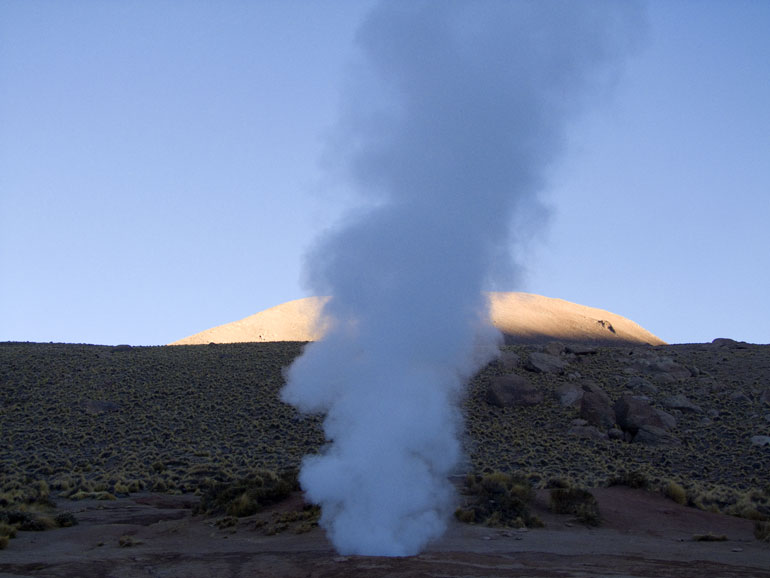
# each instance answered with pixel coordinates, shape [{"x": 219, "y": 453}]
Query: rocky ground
[{"x": 92, "y": 426}]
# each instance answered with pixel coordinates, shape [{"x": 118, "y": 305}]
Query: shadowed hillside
[{"x": 91, "y": 421}]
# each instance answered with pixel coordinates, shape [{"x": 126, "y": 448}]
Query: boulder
[
  {"x": 669, "y": 421},
  {"x": 577, "y": 349},
  {"x": 553, "y": 348},
  {"x": 596, "y": 406},
  {"x": 509, "y": 360},
  {"x": 632, "y": 413},
  {"x": 545, "y": 363},
  {"x": 651, "y": 435},
  {"x": 727, "y": 342},
  {"x": 569, "y": 394},
  {"x": 681, "y": 403},
  {"x": 513, "y": 390},
  {"x": 663, "y": 378},
  {"x": 760, "y": 441},
  {"x": 764, "y": 397},
  {"x": 739, "y": 396},
  {"x": 640, "y": 384},
  {"x": 666, "y": 365}
]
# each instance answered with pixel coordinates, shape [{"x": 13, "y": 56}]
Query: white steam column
[{"x": 454, "y": 113}]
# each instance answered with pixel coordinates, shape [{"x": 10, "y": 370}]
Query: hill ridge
[{"x": 521, "y": 317}]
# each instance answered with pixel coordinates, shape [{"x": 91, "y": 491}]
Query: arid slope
[{"x": 522, "y": 318}]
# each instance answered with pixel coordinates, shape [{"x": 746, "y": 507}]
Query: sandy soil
[{"x": 643, "y": 534}]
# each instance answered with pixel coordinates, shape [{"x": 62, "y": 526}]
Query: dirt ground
[{"x": 642, "y": 534}]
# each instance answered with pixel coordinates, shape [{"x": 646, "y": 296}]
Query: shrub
[
  {"x": 576, "y": 501},
  {"x": 3, "y": 542},
  {"x": 632, "y": 479},
  {"x": 247, "y": 496},
  {"x": 498, "y": 499},
  {"x": 127, "y": 541},
  {"x": 557, "y": 483},
  {"x": 710, "y": 537},
  {"x": 65, "y": 520},
  {"x": 26, "y": 521},
  {"x": 676, "y": 492},
  {"x": 226, "y": 522},
  {"x": 7, "y": 530},
  {"x": 762, "y": 531}
]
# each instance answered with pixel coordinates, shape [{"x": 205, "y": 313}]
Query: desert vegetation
[
  {"x": 498, "y": 499},
  {"x": 98, "y": 422}
]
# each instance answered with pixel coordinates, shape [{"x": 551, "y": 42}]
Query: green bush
[
  {"x": 498, "y": 499},
  {"x": 65, "y": 520},
  {"x": 632, "y": 479},
  {"x": 249, "y": 495},
  {"x": 7, "y": 530},
  {"x": 578, "y": 502}
]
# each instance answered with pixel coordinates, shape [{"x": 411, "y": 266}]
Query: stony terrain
[
  {"x": 92, "y": 419},
  {"x": 698, "y": 415},
  {"x": 96, "y": 424}
]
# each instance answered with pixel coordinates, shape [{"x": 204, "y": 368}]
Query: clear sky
[{"x": 162, "y": 169}]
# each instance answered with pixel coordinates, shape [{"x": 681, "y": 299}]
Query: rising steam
[{"x": 455, "y": 112}]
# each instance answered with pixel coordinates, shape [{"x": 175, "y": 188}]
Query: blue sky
[{"x": 163, "y": 170}]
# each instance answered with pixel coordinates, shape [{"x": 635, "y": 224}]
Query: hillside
[
  {"x": 121, "y": 419},
  {"x": 521, "y": 317}
]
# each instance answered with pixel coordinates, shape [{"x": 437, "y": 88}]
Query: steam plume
[{"x": 456, "y": 111}]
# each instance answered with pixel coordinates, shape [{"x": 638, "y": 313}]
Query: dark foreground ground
[{"x": 643, "y": 534}]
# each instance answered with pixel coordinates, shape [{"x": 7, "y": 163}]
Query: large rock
[
  {"x": 651, "y": 435},
  {"x": 640, "y": 384},
  {"x": 569, "y": 394},
  {"x": 666, "y": 365},
  {"x": 596, "y": 406},
  {"x": 509, "y": 360},
  {"x": 513, "y": 390},
  {"x": 727, "y": 342},
  {"x": 681, "y": 403},
  {"x": 580, "y": 349},
  {"x": 632, "y": 413},
  {"x": 545, "y": 363},
  {"x": 661, "y": 369},
  {"x": 760, "y": 441},
  {"x": 554, "y": 348}
]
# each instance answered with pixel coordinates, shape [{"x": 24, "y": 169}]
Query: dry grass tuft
[
  {"x": 762, "y": 531},
  {"x": 675, "y": 492},
  {"x": 578, "y": 502}
]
